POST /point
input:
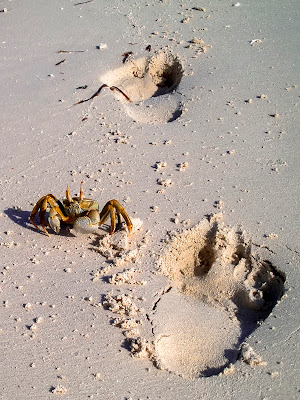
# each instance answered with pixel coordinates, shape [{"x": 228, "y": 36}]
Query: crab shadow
[{"x": 19, "y": 217}]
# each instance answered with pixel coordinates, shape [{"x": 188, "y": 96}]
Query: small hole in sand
[
  {"x": 166, "y": 72},
  {"x": 206, "y": 254}
]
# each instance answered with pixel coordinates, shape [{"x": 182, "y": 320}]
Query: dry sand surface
[{"x": 195, "y": 131}]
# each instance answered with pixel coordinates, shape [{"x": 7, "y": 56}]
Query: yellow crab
[{"x": 82, "y": 213}]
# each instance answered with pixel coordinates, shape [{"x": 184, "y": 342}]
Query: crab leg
[
  {"x": 42, "y": 214},
  {"x": 109, "y": 209},
  {"x": 36, "y": 209},
  {"x": 42, "y": 206},
  {"x": 121, "y": 211}
]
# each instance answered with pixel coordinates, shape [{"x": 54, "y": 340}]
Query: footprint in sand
[
  {"x": 220, "y": 291},
  {"x": 150, "y": 83}
]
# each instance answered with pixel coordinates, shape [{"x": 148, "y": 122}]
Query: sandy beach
[{"x": 187, "y": 114}]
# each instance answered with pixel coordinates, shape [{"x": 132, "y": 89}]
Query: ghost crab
[{"x": 80, "y": 212}]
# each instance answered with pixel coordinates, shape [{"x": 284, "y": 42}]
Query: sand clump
[
  {"x": 127, "y": 324},
  {"x": 59, "y": 390},
  {"x": 141, "y": 348},
  {"x": 119, "y": 241},
  {"x": 250, "y": 357},
  {"x": 120, "y": 251},
  {"x": 125, "y": 307},
  {"x": 122, "y": 304},
  {"x": 126, "y": 277}
]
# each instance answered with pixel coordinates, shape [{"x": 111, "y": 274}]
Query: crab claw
[
  {"x": 87, "y": 222},
  {"x": 54, "y": 220},
  {"x": 55, "y": 214}
]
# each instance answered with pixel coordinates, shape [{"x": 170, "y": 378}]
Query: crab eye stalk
[
  {"x": 68, "y": 195},
  {"x": 81, "y": 196}
]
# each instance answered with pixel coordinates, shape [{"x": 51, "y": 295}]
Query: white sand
[{"x": 91, "y": 316}]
